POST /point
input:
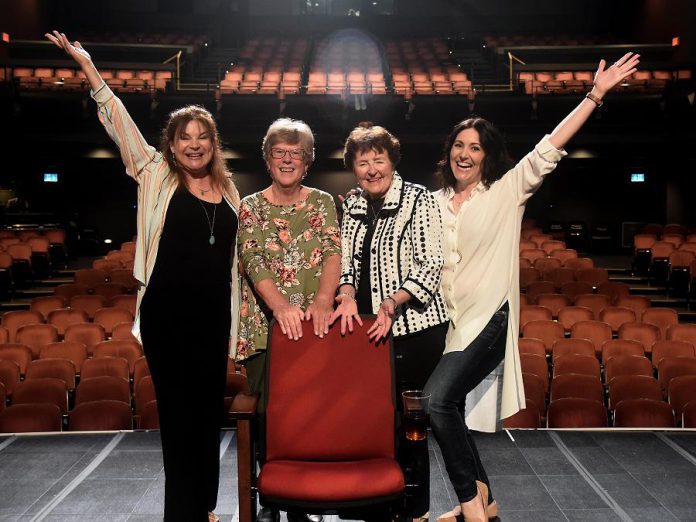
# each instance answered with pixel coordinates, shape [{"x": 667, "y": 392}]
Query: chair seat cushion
[{"x": 330, "y": 481}]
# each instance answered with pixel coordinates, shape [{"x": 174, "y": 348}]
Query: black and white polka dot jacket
[{"x": 406, "y": 253}]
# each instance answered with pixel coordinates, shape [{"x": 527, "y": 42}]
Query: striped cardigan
[
  {"x": 156, "y": 186},
  {"x": 405, "y": 253}
]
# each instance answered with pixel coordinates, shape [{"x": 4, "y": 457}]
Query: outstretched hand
[
  {"x": 607, "y": 78},
  {"x": 74, "y": 50}
]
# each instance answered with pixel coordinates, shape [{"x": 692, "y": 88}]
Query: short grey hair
[{"x": 287, "y": 130}]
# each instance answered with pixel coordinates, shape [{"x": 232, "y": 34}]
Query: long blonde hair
[{"x": 178, "y": 119}]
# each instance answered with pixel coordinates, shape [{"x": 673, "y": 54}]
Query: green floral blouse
[{"x": 288, "y": 244}]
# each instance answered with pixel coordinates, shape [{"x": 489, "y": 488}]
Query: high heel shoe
[
  {"x": 456, "y": 514},
  {"x": 492, "y": 507}
]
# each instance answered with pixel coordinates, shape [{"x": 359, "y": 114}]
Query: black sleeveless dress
[{"x": 185, "y": 327}]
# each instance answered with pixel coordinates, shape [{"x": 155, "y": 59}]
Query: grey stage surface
[{"x": 539, "y": 476}]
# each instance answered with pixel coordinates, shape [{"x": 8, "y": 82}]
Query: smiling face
[
  {"x": 374, "y": 172},
  {"x": 466, "y": 158},
  {"x": 193, "y": 147},
  {"x": 287, "y": 164}
]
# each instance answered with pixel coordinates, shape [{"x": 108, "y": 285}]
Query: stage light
[
  {"x": 108, "y": 241},
  {"x": 675, "y": 41},
  {"x": 6, "y": 37}
]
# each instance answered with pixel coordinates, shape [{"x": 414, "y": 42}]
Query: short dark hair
[
  {"x": 366, "y": 137},
  {"x": 496, "y": 163}
]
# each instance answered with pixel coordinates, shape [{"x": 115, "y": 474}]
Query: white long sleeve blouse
[{"x": 481, "y": 272}]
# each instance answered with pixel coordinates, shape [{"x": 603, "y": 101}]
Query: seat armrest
[{"x": 244, "y": 406}]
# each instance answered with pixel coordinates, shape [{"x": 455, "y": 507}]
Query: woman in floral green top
[{"x": 289, "y": 246}]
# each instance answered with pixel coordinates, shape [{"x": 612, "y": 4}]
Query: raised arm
[
  {"x": 82, "y": 57},
  {"x": 136, "y": 153},
  {"x": 605, "y": 80}
]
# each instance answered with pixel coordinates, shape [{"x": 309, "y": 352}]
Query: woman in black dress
[{"x": 185, "y": 259}]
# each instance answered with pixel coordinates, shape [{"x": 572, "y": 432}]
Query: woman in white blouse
[{"x": 482, "y": 202}]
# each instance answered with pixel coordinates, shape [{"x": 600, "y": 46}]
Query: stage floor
[{"x": 536, "y": 476}]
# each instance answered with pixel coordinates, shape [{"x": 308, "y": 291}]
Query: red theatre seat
[{"x": 346, "y": 461}]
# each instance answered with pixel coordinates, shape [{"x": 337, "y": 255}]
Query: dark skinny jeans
[{"x": 454, "y": 377}]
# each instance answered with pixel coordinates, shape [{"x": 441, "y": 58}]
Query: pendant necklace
[
  {"x": 205, "y": 191},
  {"x": 375, "y": 213},
  {"x": 211, "y": 224}
]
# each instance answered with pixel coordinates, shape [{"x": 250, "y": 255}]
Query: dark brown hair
[
  {"x": 496, "y": 162},
  {"x": 366, "y": 137}
]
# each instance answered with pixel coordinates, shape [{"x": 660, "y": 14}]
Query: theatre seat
[{"x": 346, "y": 461}]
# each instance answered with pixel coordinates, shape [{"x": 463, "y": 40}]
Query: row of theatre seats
[
  {"x": 69, "y": 79},
  {"x": 70, "y": 362},
  {"x": 668, "y": 256},
  {"x": 592, "y": 354},
  {"x": 27, "y": 254},
  {"x": 562, "y": 82}
]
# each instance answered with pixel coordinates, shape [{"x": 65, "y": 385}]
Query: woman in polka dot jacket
[{"x": 391, "y": 261}]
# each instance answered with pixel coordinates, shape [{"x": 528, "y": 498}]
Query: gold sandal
[{"x": 212, "y": 517}]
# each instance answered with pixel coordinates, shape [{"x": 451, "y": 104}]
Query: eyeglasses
[{"x": 294, "y": 153}]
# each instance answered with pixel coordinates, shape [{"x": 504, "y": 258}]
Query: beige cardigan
[{"x": 156, "y": 186}]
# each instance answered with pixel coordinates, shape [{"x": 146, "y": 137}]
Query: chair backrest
[
  {"x": 578, "y": 386},
  {"x": 633, "y": 387},
  {"x": 89, "y": 334},
  {"x": 682, "y": 332},
  {"x": 627, "y": 365},
  {"x": 309, "y": 378},
  {"x": 18, "y": 353},
  {"x": 615, "y": 316},
  {"x": 63, "y": 318},
  {"x": 101, "y": 415},
  {"x": 663, "y": 318},
  {"x": 614, "y": 347},
  {"x": 681, "y": 391},
  {"x": 9, "y": 376},
  {"x": 26, "y": 418},
  {"x": 664, "y": 348},
  {"x": 572, "y": 346},
  {"x": 103, "y": 388},
  {"x": 105, "y": 366},
  {"x": 643, "y": 413},
  {"x": 576, "y": 413}
]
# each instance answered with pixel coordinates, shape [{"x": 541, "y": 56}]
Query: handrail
[
  {"x": 178, "y": 66},
  {"x": 511, "y": 58}
]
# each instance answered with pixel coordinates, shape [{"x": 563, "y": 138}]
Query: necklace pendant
[{"x": 212, "y": 239}]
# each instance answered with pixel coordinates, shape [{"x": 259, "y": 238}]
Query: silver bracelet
[{"x": 392, "y": 300}]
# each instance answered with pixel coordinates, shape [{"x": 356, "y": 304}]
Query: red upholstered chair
[
  {"x": 533, "y": 313},
  {"x": 681, "y": 391},
  {"x": 545, "y": 330},
  {"x": 26, "y": 418},
  {"x": 664, "y": 348},
  {"x": 682, "y": 332},
  {"x": 577, "y": 386},
  {"x": 643, "y": 413},
  {"x": 615, "y": 347},
  {"x": 633, "y": 387},
  {"x": 689, "y": 415},
  {"x": 663, "y": 318},
  {"x": 346, "y": 461},
  {"x": 102, "y": 415},
  {"x": 576, "y": 413},
  {"x": 531, "y": 346},
  {"x": 571, "y": 346},
  {"x": 9, "y": 376},
  {"x": 615, "y": 316},
  {"x": 528, "y": 418}
]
